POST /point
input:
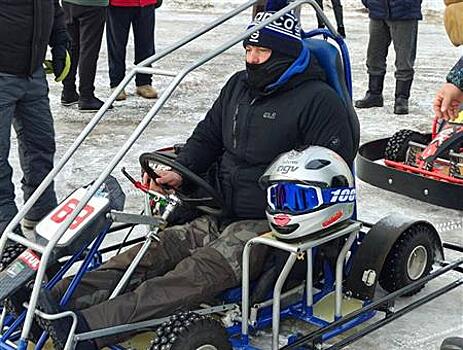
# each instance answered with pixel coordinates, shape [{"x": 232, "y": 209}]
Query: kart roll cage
[{"x": 143, "y": 67}]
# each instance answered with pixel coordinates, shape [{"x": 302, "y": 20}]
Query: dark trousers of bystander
[
  {"x": 85, "y": 24},
  {"x": 337, "y": 9},
  {"x": 403, "y": 35},
  {"x": 24, "y": 104},
  {"x": 142, "y": 20}
]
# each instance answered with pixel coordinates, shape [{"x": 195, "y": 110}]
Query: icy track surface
[{"x": 422, "y": 329}]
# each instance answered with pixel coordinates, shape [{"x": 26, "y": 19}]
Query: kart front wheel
[
  {"x": 190, "y": 331},
  {"x": 410, "y": 259},
  {"x": 397, "y": 145},
  {"x": 10, "y": 253}
]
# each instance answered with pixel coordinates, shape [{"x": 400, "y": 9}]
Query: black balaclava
[{"x": 263, "y": 74}]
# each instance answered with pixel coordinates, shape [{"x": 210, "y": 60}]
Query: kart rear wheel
[
  {"x": 410, "y": 259},
  {"x": 397, "y": 145},
  {"x": 190, "y": 331}
]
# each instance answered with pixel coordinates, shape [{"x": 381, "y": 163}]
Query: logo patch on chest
[{"x": 269, "y": 115}]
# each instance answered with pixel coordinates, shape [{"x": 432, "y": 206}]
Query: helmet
[{"x": 308, "y": 191}]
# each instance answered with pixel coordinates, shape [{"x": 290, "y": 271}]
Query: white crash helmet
[{"x": 308, "y": 191}]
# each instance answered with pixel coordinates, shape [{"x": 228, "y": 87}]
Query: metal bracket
[{"x": 118, "y": 216}]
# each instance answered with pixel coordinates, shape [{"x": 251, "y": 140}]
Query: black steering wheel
[{"x": 212, "y": 204}]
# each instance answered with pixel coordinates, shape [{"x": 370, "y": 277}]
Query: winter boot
[
  {"x": 59, "y": 329},
  {"x": 374, "y": 95},
  {"x": 402, "y": 93},
  {"x": 69, "y": 97},
  {"x": 147, "y": 91},
  {"x": 90, "y": 104}
]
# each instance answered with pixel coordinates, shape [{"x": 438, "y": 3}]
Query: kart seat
[{"x": 330, "y": 61}]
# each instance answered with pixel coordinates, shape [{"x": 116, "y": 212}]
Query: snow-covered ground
[{"x": 422, "y": 329}]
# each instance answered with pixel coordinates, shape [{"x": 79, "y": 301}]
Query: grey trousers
[
  {"x": 190, "y": 265},
  {"x": 403, "y": 35},
  {"x": 24, "y": 104}
]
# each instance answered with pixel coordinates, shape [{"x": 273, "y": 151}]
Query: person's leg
[
  {"x": 378, "y": 45},
  {"x": 337, "y": 8},
  {"x": 143, "y": 32},
  {"x": 319, "y": 20},
  {"x": 33, "y": 124},
  {"x": 10, "y": 92},
  {"x": 176, "y": 243},
  {"x": 92, "y": 21},
  {"x": 197, "y": 278},
  {"x": 69, "y": 95},
  {"x": 117, "y": 35},
  {"x": 404, "y": 38}
]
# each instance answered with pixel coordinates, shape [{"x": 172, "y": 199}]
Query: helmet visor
[
  {"x": 298, "y": 198},
  {"x": 293, "y": 197}
]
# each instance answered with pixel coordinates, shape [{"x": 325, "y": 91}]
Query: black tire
[
  {"x": 10, "y": 253},
  {"x": 397, "y": 145},
  {"x": 190, "y": 331},
  {"x": 415, "y": 245},
  {"x": 453, "y": 343}
]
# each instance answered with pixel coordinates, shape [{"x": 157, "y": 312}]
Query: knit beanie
[{"x": 282, "y": 35}]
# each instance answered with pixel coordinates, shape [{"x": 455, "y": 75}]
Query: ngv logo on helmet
[
  {"x": 342, "y": 195},
  {"x": 284, "y": 169}
]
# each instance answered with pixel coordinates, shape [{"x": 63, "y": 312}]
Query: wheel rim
[
  {"x": 207, "y": 347},
  {"x": 417, "y": 261}
]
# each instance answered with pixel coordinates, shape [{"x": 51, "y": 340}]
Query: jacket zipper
[{"x": 235, "y": 121}]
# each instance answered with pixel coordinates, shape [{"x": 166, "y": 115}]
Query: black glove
[
  {"x": 61, "y": 60},
  {"x": 158, "y": 4}
]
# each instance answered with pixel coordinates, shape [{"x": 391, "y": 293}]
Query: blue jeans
[
  {"x": 117, "y": 34},
  {"x": 24, "y": 104}
]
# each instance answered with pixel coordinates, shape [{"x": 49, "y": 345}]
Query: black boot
[
  {"x": 402, "y": 93},
  {"x": 69, "y": 97},
  {"x": 59, "y": 329},
  {"x": 90, "y": 104},
  {"x": 374, "y": 95}
]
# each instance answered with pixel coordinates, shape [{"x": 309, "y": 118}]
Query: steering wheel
[{"x": 212, "y": 204}]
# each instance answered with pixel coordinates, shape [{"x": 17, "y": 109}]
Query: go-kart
[
  {"x": 340, "y": 273},
  {"x": 423, "y": 166}
]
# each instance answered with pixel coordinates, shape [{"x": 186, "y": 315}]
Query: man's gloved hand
[
  {"x": 61, "y": 62},
  {"x": 158, "y": 4},
  {"x": 60, "y": 43}
]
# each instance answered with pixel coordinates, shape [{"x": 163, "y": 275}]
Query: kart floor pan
[
  {"x": 413, "y": 185},
  {"x": 324, "y": 308}
]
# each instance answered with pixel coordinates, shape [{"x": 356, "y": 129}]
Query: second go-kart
[{"x": 428, "y": 167}]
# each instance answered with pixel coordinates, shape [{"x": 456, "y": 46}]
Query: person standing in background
[
  {"x": 85, "y": 20},
  {"x": 396, "y": 21},
  {"x": 337, "y": 8},
  {"x": 24, "y": 100},
  {"x": 121, "y": 15},
  {"x": 448, "y": 100}
]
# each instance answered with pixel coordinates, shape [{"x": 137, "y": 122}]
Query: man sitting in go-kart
[{"x": 280, "y": 102}]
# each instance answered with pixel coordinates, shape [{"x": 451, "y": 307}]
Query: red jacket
[{"x": 132, "y": 3}]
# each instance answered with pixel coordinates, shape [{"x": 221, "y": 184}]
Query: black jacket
[
  {"x": 247, "y": 133},
  {"x": 27, "y": 27},
  {"x": 394, "y": 10}
]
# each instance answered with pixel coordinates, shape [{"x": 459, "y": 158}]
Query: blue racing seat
[{"x": 330, "y": 61}]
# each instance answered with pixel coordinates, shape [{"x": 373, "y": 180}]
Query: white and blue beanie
[{"x": 282, "y": 35}]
